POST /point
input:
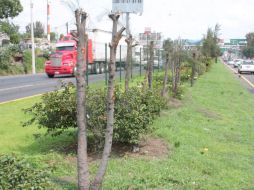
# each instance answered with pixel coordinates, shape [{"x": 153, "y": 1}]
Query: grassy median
[{"x": 209, "y": 136}]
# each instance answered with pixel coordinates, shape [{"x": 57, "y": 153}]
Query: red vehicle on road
[{"x": 63, "y": 60}]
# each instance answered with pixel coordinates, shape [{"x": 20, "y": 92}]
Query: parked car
[
  {"x": 247, "y": 66},
  {"x": 231, "y": 62},
  {"x": 237, "y": 62}
]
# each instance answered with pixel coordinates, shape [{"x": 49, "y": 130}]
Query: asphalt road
[
  {"x": 16, "y": 87},
  {"x": 246, "y": 79}
]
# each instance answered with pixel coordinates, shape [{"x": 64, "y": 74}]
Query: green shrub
[
  {"x": 27, "y": 58},
  {"x": 56, "y": 112},
  {"x": 17, "y": 173},
  {"x": 6, "y": 56},
  {"x": 134, "y": 111}
]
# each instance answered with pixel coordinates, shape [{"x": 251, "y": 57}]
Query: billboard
[
  {"x": 146, "y": 37},
  {"x": 127, "y": 6}
]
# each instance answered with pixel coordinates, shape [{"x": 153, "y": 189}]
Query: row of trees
[{"x": 12, "y": 31}]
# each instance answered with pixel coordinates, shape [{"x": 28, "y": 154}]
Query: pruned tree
[
  {"x": 150, "y": 65},
  {"x": 167, "y": 46},
  {"x": 193, "y": 67},
  {"x": 176, "y": 61},
  {"x": 130, "y": 44},
  {"x": 116, "y": 36},
  {"x": 81, "y": 38}
]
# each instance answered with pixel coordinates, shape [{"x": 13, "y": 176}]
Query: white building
[{"x": 4, "y": 39}]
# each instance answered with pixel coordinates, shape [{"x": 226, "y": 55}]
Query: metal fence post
[
  {"x": 105, "y": 65},
  {"x": 120, "y": 63},
  {"x": 158, "y": 60},
  {"x": 131, "y": 65},
  {"x": 140, "y": 62}
]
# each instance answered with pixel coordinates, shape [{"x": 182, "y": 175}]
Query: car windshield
[
  {"x": 247, "y": 63},
  {"x": 65, "y": 48}
]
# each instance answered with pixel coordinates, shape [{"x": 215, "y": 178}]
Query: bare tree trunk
[
  {"x": 116, "y": 36},
  {"x": 83, "y": 172},
  {"x": 165, "y": 79},
  {"x": 150, "y": 66},
  {"x": 129, "y": 42},
  {"x": 128, "y": 66},
  {"x": 193, "y": 69}
]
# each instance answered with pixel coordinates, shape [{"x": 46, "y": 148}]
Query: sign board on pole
[
  {"x": 148, "y": 36},
  {"x": 127, "y": 6}
]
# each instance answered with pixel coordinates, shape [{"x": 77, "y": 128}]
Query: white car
[
  {"x": 247, "y": 66},
  {"x": 231, "y": 62},
  {"x": 237, "y": 62}
]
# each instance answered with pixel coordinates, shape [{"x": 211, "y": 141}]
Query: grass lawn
[{"x": 210, "y": 137}]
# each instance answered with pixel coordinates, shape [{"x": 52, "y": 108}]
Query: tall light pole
[
  {"x": 48, "y": 21},
  {"x": 32, "y": 37}
]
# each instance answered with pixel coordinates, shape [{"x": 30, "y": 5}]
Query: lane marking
[
  {"x": 241, "y": 76},
  {"x": 17, "y": 87}
]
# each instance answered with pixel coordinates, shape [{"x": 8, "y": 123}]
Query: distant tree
[
  {"x": 11, "y": 30},
  {"x": 52, "y": 36},
  {"x": 210, "y": 46},
  {"x": 10, "y": 8},
  {"x": 38, "y": 29},
  {"x": 248, "y": 51},
  {"x": 61, "y": 36}
]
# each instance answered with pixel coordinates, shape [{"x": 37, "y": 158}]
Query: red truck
[{"x": 63, "y": 60}]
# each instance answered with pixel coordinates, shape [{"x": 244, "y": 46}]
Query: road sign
[{"x": 127, "y": 6}]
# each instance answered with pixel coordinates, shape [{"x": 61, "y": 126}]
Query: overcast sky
[{"x": 188, "y": 19}]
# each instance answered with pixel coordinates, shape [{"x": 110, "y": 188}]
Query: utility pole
[
  {"x": 127, "y": 24},
  {"x": 48, "y": 21},
  {"x": 32, "y": 38},
  {"x": 67, "y": 27}
]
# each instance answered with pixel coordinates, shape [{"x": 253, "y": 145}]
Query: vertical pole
[
  {"x": 140, "y": 62},
  {"x": 131, "y": 66},
  {"x": 67, "y": 27},
  {"x": 158, "y": 60},
  {"x": 48, "y": 21},
  {"x": 32, "y": 38},
  {"x": 120, "y": 63},
  {"x": 87, "y": 62},
  {"x": 147, "y": 49},
  {"x": 128, "y": 24},
  {"x": 105, "y": 65}
]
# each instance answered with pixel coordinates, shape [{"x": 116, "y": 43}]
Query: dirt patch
[
  {"x": 174, "y": 103},
  {"x": 208, "y": 113},
  {"x": 153, "y": 148},
  {"x": 150, "y": 148},
  {"x": 66, "y": 180}
]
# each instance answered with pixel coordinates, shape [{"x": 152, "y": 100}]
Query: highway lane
[
  {"x": 246, "y": 79},
  {"x": 16, "y": 87}
]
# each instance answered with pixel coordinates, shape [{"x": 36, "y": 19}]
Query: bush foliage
[
  {"x": 134, "y": 112},
  {"x": 17, "y": 173}
]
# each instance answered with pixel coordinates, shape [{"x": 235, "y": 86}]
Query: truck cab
[{"x": 63, "y": 59}]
